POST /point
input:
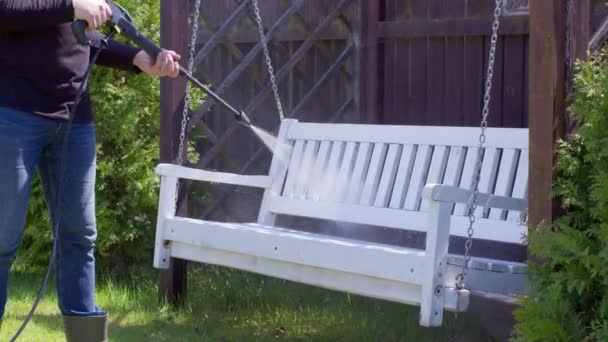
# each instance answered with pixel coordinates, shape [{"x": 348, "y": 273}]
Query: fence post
[
  {"x": 368, "y": 85},
  {"x": 174, "y": 36},
  {"x": 550, "y": 23}
]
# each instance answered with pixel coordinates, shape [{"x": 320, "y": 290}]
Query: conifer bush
[{"x": 569, "y": 288}]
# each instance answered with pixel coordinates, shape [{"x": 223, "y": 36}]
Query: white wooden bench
[{"x": 404, "y": 177}]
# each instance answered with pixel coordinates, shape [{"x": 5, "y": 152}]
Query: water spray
[{"x": 121, "y": 23}]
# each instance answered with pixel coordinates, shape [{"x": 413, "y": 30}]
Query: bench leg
[{"x": 173, "y": 282}]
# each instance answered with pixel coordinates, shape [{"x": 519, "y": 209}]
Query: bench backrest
[{"x": 374, "y": 174}]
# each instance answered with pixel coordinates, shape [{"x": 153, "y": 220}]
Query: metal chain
[
  {"x": 273, "y": 81},
  {"x": 182, "y": 135},
  {"x": 472, "y": 204}
]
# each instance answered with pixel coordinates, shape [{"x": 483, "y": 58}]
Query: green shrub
[
  {"x": 570, "y": 285},
  {"x": 127, "y": 120}
]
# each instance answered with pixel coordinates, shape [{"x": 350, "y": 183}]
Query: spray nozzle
[{"x": 242, "y": 118}]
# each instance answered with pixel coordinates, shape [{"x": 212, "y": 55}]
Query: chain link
[
  {"x": 182, "y": 135},
  {"x": 472, "y": 203},
  {"x": 273, "y": 81}
]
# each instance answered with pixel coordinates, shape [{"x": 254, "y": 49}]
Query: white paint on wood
[
  {"x": 346, "y": 171},
  {"x": 418, "y": 180},
  {"x": 294, "y": 168},
  {"x": 166, "y": 210},
  {"x": 278, "y": 169},
  {"x": 302, "y": 248},
  {"x": 414, "y": 135},
  {"x": 437, "y": 241},
  {"x": 318, "y": 170},
  {"x": 520, "y": 188},
  {"x": 436, "y": 170},
  {"x": 504, "y": 180},
  {"x": 387, "y": 181},
  {"x": 487, "y": 180},
  {"x": 304, "y": 173},
  {"x": 404, "y": 175},
  {"x": 466, "y": 181},
  {"x": 330, "y": 179},
  {"x": 372, "y": 180},
  {"x": 359, "y": 172},
  {"x": 213, "y": 177},
  {"x": 374, "y": 287}
]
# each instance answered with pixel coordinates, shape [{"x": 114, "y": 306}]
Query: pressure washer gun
[{"x": 121, "y": 23}]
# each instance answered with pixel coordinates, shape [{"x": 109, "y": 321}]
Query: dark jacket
[{"x": 42, "y": 65}]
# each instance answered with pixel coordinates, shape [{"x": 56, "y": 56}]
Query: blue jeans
[{"x": 29, "y": 142}]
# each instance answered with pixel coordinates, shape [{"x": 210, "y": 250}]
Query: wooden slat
[
  {"x": 288, "y": 245},
  {"x": 466, "y": 181},
  {"x": 404, "y": 174},
  {"x": 389, "y": 173},
  {"x": 520, "y": 188},
  {"x": 294, "y": 167},
  {"x": 358, "y": 178},
  {"x": 451, "y": 27},
  {"x": 372, "y": 180},
  {"x": 418, "y": 180},
  {"x": 319, "y": 170},
  {"x": 278, "y": 170},
  {"x": 330, "y": 178},
  {"x": 487, "y": 180},
  {"x": 505, "y": 179},
  {"x": 426, "y": 135},
  {"x": 304, "y": 172},
  {"x": 455, "y": 166},
  {"x": 212, "y": 177},
  {"x": 485, "y": 229},
  {"x": 345, "y": 173},
  {"x": 436, "y": 170}
]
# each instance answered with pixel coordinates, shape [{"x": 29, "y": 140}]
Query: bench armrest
[
  {"x": 170, "y": 170},
  {"x": 446, "y": 193}
]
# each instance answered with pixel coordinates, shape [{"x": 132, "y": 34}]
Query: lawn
[{"x": 228, "y": 305}]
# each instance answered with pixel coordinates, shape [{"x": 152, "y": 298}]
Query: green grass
[{"x": 228, "y": 305}]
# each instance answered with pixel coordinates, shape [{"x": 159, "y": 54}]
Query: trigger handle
[{"x": 79, "y": 28}]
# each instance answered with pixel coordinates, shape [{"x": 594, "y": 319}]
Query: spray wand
[{"x": 121, "y": 23}]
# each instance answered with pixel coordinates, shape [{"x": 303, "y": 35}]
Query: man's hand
[
  {"x": 94, "y": 12},
  {"x": 165, "y": 65}
]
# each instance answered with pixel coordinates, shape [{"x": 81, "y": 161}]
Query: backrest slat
[
  {"x": 304, "y": 173},
  {"x": 455, "y": 166},
  {"x": 294, "y": 167},
  {"x": 489, "y": 169},
  {"x": 372, "y": 180},
  {"x": 329, "y": 179},
  {"x": 319, "y": 169},
  {"x": 466, "y": 181},
  {"x": 404, "y": 175},
  {"x": 418, "y": 180},
  {"x": 361, "y": 166},
  {"x": 436, "y": 170},
  {"x": 520, "y": 187},
  {"x": 387, "y": 181},
  {"x": 505, "y": 178},
  {"x": 345, "y": 173}
]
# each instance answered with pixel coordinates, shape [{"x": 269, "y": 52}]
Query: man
[{"x": 41, "y": 69}]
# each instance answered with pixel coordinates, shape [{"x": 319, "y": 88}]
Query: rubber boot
[{"x": 86, "y": 328}]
